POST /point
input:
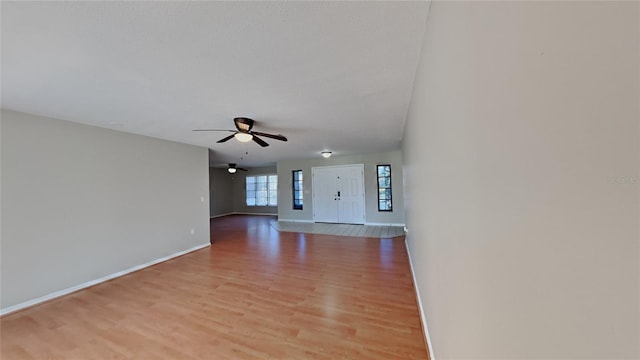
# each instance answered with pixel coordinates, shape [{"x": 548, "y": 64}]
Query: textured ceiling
[{"x": 328, "y": 75}]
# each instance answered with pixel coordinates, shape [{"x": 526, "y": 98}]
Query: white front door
[
  {"x": 350, "y": 195},
  {"x": 338, "y": 194},
  {"x": 325, "y": 195}
]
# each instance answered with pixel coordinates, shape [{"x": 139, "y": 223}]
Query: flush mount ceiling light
[
  {"x": 243, "y": 137},
  {"x": 326, "y": 154}
]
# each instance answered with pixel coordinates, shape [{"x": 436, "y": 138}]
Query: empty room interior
[{"x": 320, "y": 180}]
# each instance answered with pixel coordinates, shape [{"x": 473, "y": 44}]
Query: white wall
[
  {"x": 80, "y": 203},
  {"x": 521, "y": 154},
  {"x": 393, "y": 158}
]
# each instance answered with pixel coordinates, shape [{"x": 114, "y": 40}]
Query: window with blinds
[{"x": 262, "y": 190}]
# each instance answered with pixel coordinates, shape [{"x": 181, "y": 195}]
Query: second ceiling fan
[
  {"x": 233, "y": 168},
  {"x": 245, "y": 134}
]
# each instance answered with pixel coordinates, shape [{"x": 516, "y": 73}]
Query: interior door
[{"x": 338, "y": 194}]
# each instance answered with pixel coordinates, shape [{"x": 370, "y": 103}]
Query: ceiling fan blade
[
  {"x": 260, "y": 141},
  {"x": 233, "y": 166},
  {"x": 226, "y": 138},
  {"x": 272, "y": 136},
  {"x": 213, "y": 130}
]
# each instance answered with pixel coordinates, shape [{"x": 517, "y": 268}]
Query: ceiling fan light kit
[
  {"x": 232, "y": 170},
  {"x": 326, "y": 154},
  {"x": 243, "y": 137}
]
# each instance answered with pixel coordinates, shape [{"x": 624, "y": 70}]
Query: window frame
[
  {"x": 296, "y": 206},
  {"x": 255, "y": 190},
  {"x": 378, "y": 188}
]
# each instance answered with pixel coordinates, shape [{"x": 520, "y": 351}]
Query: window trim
[
  {"x": 256, "y": 178},
  {"x": 378, "y": 188},
  {"x": 293, "y": 189}
]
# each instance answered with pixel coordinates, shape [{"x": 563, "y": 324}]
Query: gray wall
[
  {"x": 285, "y": 202},
  {"x": 521, "y": 154},
  {"x": 80, "y": 203},
  {"x": 221, "y": 196},
  {"x": 239, "y": 194}
]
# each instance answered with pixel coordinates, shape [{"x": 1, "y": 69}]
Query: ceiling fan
[
  {"x": 233, "y": 168},
  {"x": 244, "y": 133}
]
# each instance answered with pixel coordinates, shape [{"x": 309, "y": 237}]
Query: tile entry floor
[{"x": 339, "y": 229}]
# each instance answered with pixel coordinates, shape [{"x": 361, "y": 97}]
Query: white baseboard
[
  {"x": 422, "y": 315},
  {"x": 383, "y": 224},
  {"x": 221, "y": 215},
  {"x": 87, "y": 284},
  {"x": 295, "y": 220}
]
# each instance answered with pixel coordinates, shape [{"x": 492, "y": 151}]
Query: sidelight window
[
  {"x": 384, "y": 188},
  {"x": 296, "y": 175}
]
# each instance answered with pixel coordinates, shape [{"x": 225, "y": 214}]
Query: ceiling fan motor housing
[{"x": 243, "y": 124}]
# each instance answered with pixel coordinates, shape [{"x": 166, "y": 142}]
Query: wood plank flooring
[{"x": 256, "y": 293}]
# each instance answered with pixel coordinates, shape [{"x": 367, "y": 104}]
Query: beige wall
[
  {"x": 80, "y": 203},
  {"x": 221, "y": 196},
  {"x": 521, "y": 154},
  {"x": 393, "y": 158}
]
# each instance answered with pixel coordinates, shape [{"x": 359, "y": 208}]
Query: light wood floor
[
  {"x": 255, "y": 293},
  {"x": 339, "y": 229}
]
